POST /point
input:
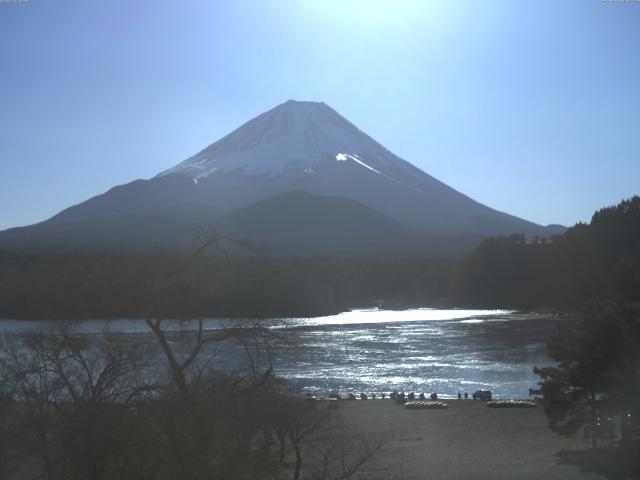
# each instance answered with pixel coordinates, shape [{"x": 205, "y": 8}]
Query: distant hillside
[
  {"x": 302, "y": 224},
  {"x": 587, "y": 261}
]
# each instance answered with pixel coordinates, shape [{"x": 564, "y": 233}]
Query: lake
[{"x": 419, "y": 350}]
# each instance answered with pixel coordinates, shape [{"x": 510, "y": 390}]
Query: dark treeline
[
  {"x": 587, "y": 261},
  {"x": 76, "y": 286},
  {"x": 596, "y": 379}
]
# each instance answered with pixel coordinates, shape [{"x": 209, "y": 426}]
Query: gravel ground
[{"x": 466, "y": 441}]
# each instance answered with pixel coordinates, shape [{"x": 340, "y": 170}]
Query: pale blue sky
[{"x": 530, "y": 107}]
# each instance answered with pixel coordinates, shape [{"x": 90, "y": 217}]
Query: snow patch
[{"x": 343, "y": 157}]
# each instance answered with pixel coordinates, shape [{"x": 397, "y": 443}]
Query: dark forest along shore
[{"x": 374, "y": 351}]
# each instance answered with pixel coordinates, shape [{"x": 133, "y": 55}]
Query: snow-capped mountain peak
[{"x": 293, "y": 138}]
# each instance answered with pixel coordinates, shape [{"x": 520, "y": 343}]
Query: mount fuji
[{"x": 300, "y": 178}]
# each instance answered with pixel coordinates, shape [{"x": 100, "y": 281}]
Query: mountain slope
[
  {"x": 297, "y": 146},
  {"x": 300, "y": 223}
]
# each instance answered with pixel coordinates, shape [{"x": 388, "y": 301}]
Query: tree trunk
[
  {"x": 176, "y": 370},
  {"x": 282, "y": 439},
  {"x": 296, "y": 474}
]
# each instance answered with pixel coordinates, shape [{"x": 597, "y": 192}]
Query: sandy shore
[{"x": 466, "y": 441}]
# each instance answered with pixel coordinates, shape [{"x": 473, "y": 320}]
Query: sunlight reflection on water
[
  {"x": 426, "y": 350},
  {"x": 355, "y": 317}
]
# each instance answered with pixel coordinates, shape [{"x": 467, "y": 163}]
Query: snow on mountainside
[{"x": 292, "y": 138}]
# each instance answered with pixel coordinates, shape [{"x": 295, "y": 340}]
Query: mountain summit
[
  {"x": 292, "y": 138},
  {"x": 304, "y": 147}
]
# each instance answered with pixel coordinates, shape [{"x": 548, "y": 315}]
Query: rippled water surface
[{"x": 421, "y": 350}]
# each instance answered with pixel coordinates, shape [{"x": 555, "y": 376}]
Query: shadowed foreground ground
[{"x": 466, "y": 441}]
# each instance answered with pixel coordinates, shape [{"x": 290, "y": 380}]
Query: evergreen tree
[{"x": 598, "y": 366}]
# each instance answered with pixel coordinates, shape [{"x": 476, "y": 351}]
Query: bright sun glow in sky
[
  {"x": 528, "y": 107},
  {"x": 376, "y": 15}
]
